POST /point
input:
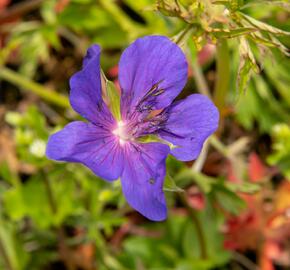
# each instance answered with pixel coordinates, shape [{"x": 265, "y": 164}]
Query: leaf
[
  {"x": 245, "y": 187},
  {"x": 231, "y": 33},
  {"x": 281, "y": 148},
  {"x": 203, "y": 181},
  {"x": 12, "y": 246},
  {"x": 111, "y": 96},
  {"x": 229, "y": 200},
  {"x": 263, "y": 26}
]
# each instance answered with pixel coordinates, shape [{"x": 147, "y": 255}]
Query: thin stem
[
  {"x": 125, "y": 23},
  {"x": 50, "y": 197},
  {"x": 199, "y": 231},
  {"x": 218, "y": 145},
  {"x": 200, "y": 234},
  {"x": 198, "y": 164},
  {"x": 5, "y": 257},
  {"x": 201, "y": 83},
  {"x": 180, "y": 39},
  {"x": 64, "y": 249},
  {"x": 222, "y": 73},
  {"x": 29, "y": 85}
]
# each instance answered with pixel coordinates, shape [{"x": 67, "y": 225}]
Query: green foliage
[
  {"x": 41, "y": 199},
  {"x": 281, "y": 147}
]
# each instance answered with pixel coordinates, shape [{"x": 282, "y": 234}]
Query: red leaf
[{"x": 257, "y": 170}]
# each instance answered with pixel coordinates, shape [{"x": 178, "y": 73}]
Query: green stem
[
  {"x": 125, "y": 23},
  {"x": 64, "y": 249},
  {"x": 29, "y": 85},
  {"x": 50, "y": 197},
  {"x": 200, "y": 234},
  {"x": 198, "y": 226},
  {"x": 222, "y": 73},
  {"x": 180, "y": 39},
  {"x": 218, "y": 145},
  {"x": 199, "y": 78},
  {"x": 5, "y": 257}
]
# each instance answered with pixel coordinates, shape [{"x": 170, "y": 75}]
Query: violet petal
[
  {"x": 190, "y": 122},
  {"x": 142, "y": 179},
  {"x": 90, "y": 145}
]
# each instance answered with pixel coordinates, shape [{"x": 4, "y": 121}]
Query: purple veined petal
[
  {"x": 190, "y": 122},
  {"x": 90, "y": 145},
  {"x": 142, "y": 179},
  {"x": 149, "y": 62},
  {"x": 86, "y": 90}
]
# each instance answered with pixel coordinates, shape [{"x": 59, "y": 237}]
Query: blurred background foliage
[{"x": 230, "y": 209}]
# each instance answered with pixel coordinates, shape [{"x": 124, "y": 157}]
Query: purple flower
[{"x": 152, "y": 72}]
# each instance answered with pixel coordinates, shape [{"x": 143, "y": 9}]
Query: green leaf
[
  {"x": 232, "y": 33},
  {"x": 229, "y": 200},
  {"x": 246, "y": 187},
  {"x": 281, "y": 148},
  {"x": 203, "y": 181},
  {"x": 112, "y": 96},
  {"x": 263, "y": 26},
  {"x": 13, "y": 248}
]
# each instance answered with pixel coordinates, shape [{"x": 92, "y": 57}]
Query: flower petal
[
  {"x": 190, "y": 122},
  {"x": 149, "y": 61},
  {"x": 86, "y": 90},
  {"x": 142, "y": 179},
  {"x": 90, "y": 145}
]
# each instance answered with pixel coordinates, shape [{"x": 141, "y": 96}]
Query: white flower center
[{"x": 122, "y": 133}]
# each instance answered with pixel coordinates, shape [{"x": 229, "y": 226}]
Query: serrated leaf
[
  {"x": 264, "y": 26},
  {"x": 269, "y": 41}
]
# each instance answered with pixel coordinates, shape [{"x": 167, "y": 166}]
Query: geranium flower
[{"x": 152, "y": 72}]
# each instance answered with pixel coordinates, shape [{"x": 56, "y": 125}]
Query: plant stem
[
  {"x": 199, "y": 231},
  {"x": 125, "y": 23},
  {"x": 222, "y": 74},
  {"x": 64, "y": 249},
  {"x": 200, "y": 234},
  {"x": 50, "y": 196},
  {"x": 180, "y": 39},
  {"x": 200, "y": 81},
  {"x": 199, "y": 162},
  {"x": 5, "y": 257},
  {"x": 25, "y": 83},
  {"x": 218, "y": 145}
]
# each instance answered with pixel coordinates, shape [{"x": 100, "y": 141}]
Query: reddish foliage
[
  {"x": 257, "y": 170},
  {"x": 4, "y": 3},
  {"x": 61, "y": 5}
]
